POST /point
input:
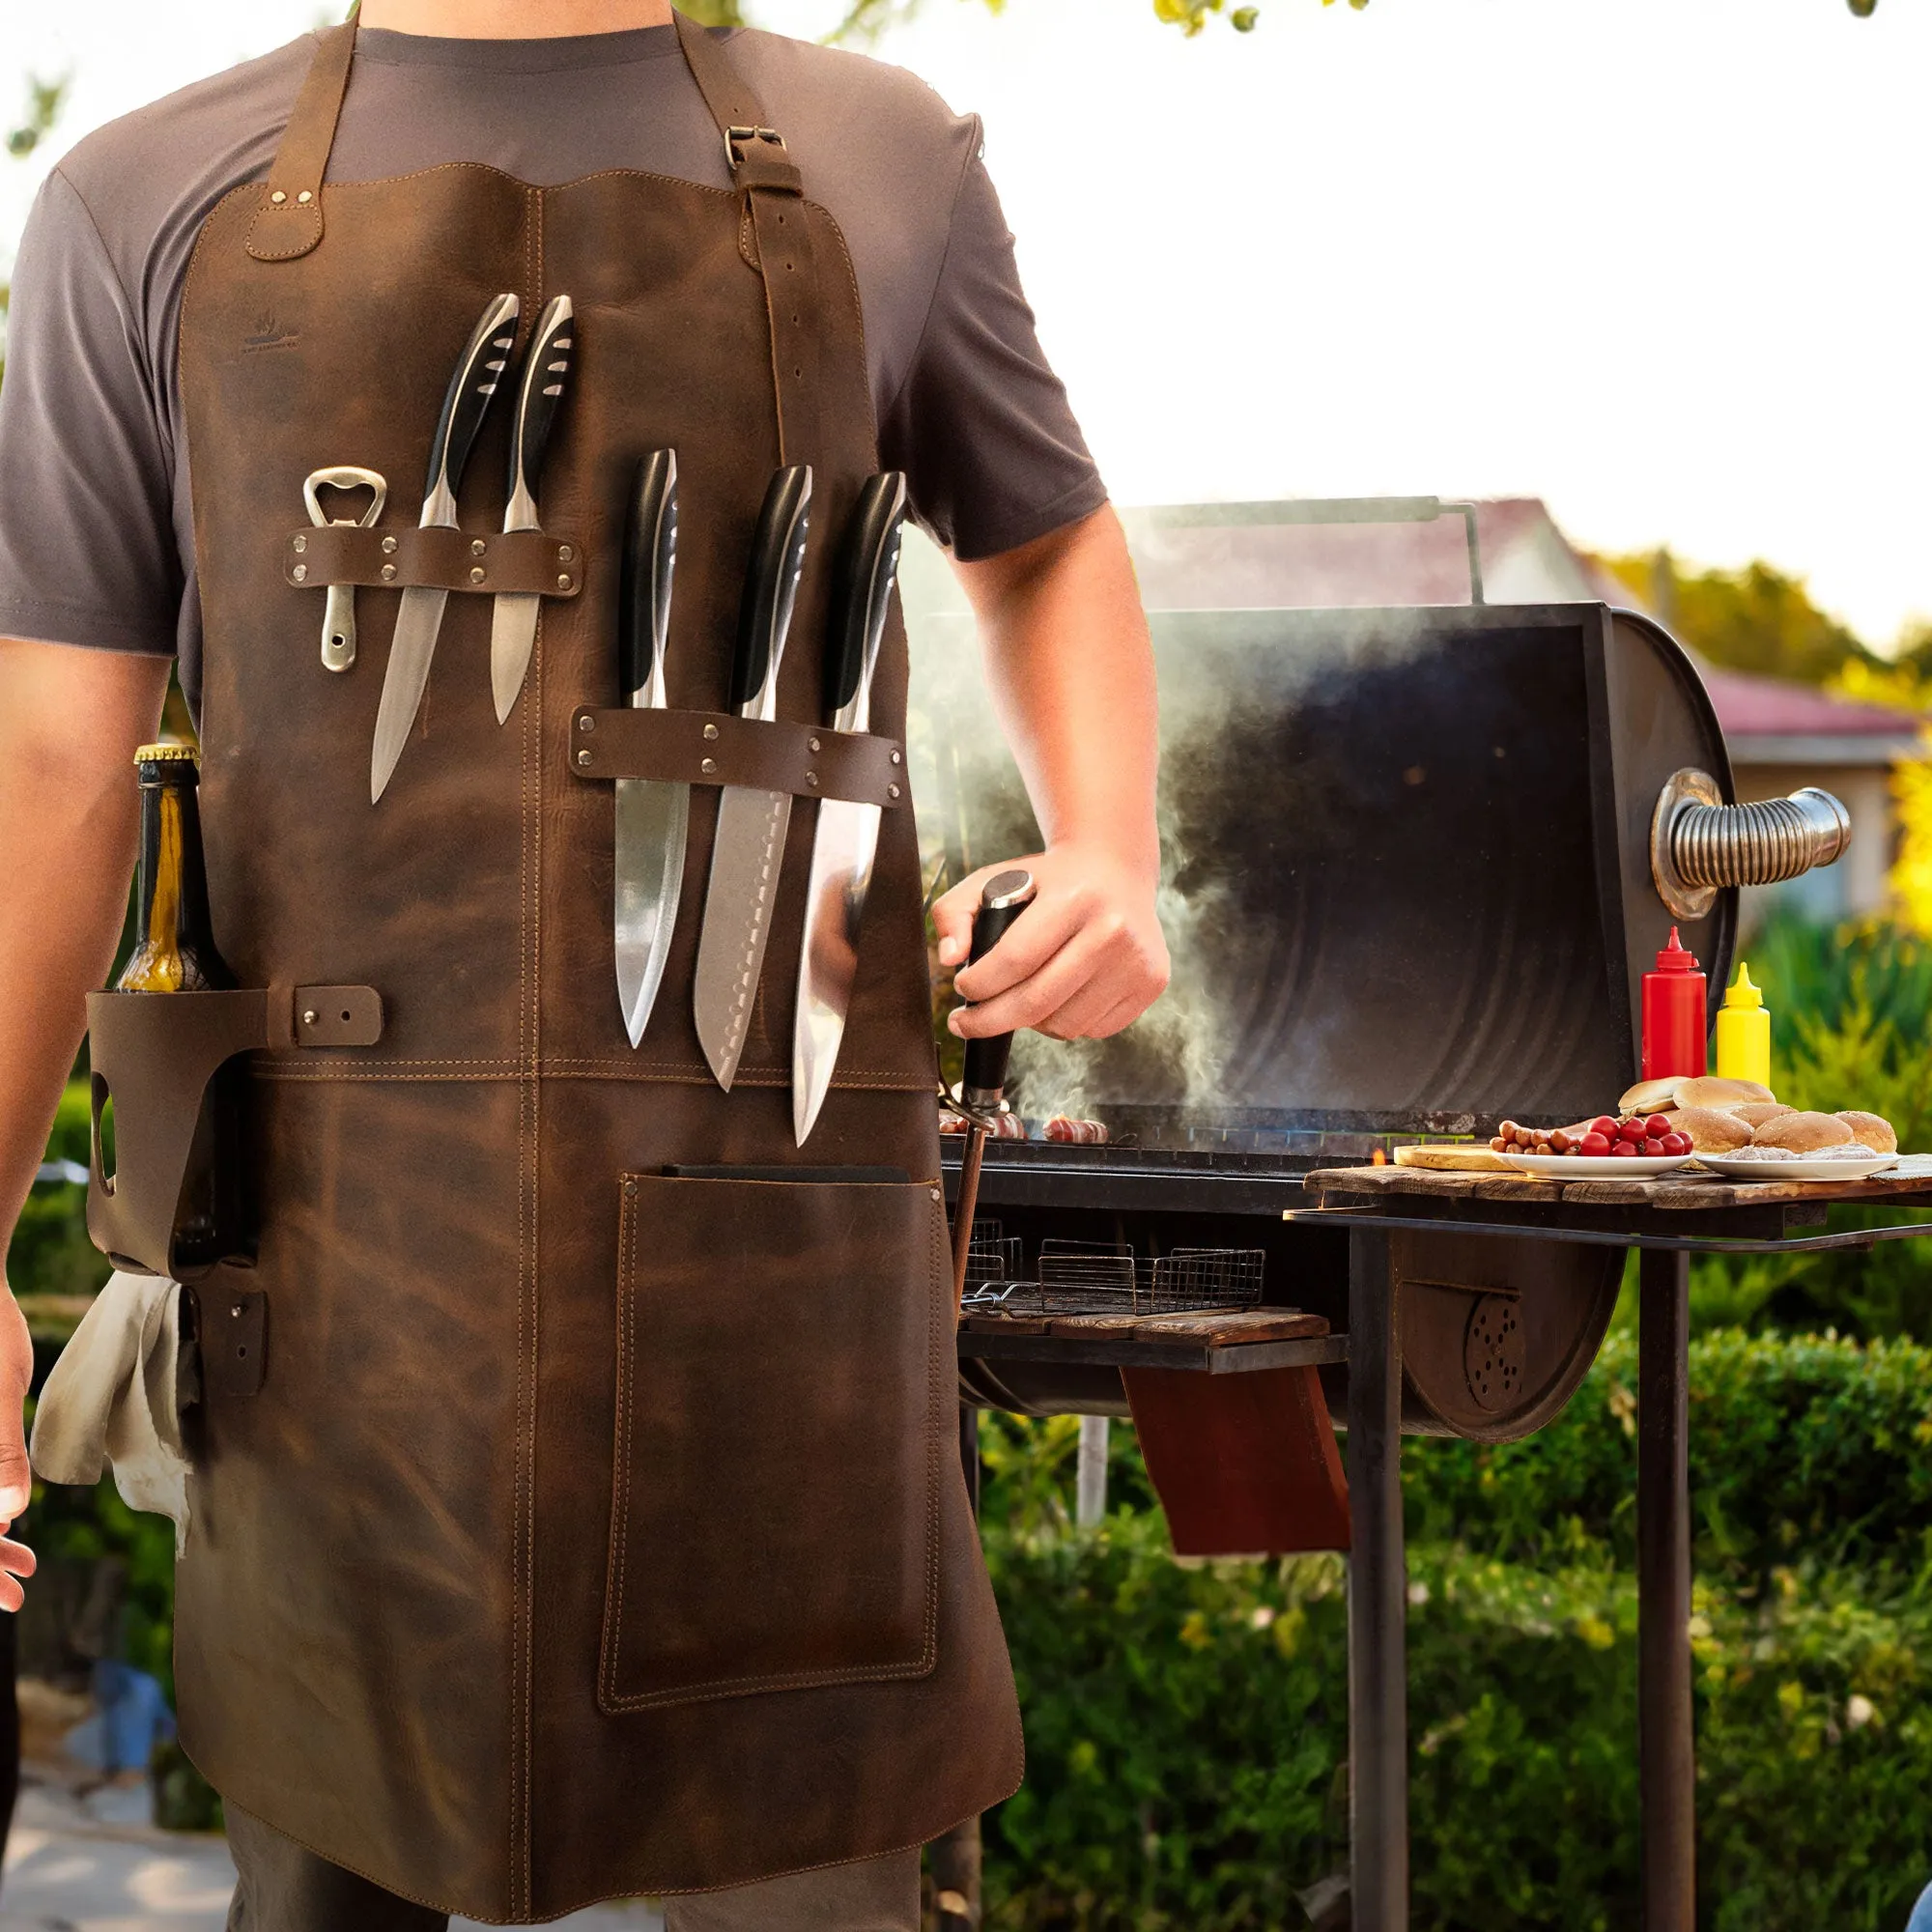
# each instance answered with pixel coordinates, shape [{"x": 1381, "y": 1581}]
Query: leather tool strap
[
  {"x": 289, "y": 223},
  {"x": 774, "y": 211}
]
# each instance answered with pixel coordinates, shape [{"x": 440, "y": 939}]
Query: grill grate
[{"x": 1108, "y": 1278}]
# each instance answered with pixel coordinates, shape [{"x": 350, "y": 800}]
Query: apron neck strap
[
  {"x": 288, "y": 221},
  {"x": 754, "y": 149}
]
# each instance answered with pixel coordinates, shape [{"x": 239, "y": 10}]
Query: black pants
[{"x": 283, "y": 1887}]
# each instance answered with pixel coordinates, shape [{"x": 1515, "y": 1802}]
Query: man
[{"x": 150, "y": 427}]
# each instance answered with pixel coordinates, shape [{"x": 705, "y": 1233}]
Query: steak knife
[
  {"x": 750, "y": 846},
  {"x": 513, "y": 623},
  {"x": 464, "y": 408},
  {"x": 848, "y": 838},
  {"x": 652, "y": 817}
]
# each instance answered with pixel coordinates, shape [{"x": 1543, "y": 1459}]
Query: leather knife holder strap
[
  {"x": 713, "y": 748},
  {"x": 151, "y": 1056},
  {"x": 517, "y": 561}
]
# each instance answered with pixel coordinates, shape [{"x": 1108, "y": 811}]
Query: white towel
[{"x": 113, "y": 1397}]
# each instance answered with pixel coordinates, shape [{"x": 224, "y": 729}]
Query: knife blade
[
  {"x": 513, "y": 623},
  {"x": 652, "y": 818},
  {"x": 846, "y": 840},
  {"x": 465, "y": 405},
  {"x": 750, "y": 842}
]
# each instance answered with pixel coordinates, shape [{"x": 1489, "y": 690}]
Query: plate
[
  {"x": 1815, "y": 1167},
  {"x": 1596, "y": 1167}
]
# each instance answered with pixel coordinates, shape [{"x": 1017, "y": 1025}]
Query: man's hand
[
  {"x": 1086, "y": 958},
  {"x": 1071, "y": 674},
  {"x": 17, "y": 1373}
]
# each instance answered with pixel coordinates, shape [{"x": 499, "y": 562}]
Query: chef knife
[
  {"x": 513, "y": 624},
  {"x": 652, "y": 817},
  {"x": 464, "y": 408},
  {"x": 847, "y": 837},
  {"x": 750, "y": 845}
]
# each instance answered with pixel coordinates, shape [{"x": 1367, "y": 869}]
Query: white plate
[
  {"x": 1815, "y": 1167},
  {"x": 1596, "y": 1167}
]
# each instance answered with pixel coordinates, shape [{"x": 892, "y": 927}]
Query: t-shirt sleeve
[
  {"x": 982, "y": 425},
  {"x": 88, "y": 554}
]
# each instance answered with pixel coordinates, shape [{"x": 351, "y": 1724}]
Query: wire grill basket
[{"x": 1108, "y": 1278}]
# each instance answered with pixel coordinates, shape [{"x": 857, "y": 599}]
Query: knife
[
  {"x": 652, "y": 818},
  {"x": 847, "y": 837},
  {"x": 746, "y": 854},
  {"x": 513, "y": 624},
  {"x": 464, "y": 408}
]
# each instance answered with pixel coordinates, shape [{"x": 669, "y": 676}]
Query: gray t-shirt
[{"x": 97, "y": 537}]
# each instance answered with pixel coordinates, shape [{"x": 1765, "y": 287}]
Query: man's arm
[
  {"x": 1071, "y": 671},
  {"x": 69, "y": 722}
]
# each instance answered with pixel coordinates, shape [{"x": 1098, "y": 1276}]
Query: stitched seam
[{"x": 620, "y": 1515}]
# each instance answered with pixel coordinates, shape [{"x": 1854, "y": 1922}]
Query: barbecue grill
[{"x": 1416, "y": 862}]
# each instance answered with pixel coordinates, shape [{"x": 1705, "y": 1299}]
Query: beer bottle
[{"x": 175, "y": 953}]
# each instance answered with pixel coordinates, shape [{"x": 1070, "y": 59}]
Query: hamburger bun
[
  {"x": 1873, "y": 1129},
  {"x": 1712, "y": 1130},
  {"x": 1708, "y": 1090},
  {"x": 1698, "y": 1090},
  {"x": 1806, "y": 1133},
  {"x": 1760, "y": 1112}
]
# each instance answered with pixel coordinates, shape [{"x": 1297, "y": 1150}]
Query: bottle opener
[{"x": 338, "y": 617}]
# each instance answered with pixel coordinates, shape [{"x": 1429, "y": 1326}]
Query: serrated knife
[
  {"x": 748, "y": 849},
  {"x": 846, "y": 840},
  {"x": 652, "y": 818},
  {"x": 513, "y": 623},
  {"x": 465, "y": 405}
]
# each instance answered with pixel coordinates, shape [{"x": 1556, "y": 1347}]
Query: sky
[{"x": 1662, "y": 262}]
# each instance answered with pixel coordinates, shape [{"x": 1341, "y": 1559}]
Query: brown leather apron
[{"x": 593, "y": 1532}]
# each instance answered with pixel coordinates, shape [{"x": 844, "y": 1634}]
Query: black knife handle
[
  {"x": 546, "y": 372},
  {"x": 466, "y": 401},
  {"x": 771, "y": 582},
  {"x": 650, "y": 551},
  {"x": 862, "y": 589},
  {"x": 1006, "y": 896}
]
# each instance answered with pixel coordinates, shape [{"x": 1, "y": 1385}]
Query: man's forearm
[{"x": 69, "y": 721}]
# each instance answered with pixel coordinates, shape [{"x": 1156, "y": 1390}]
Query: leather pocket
[{"x": 783, "y": 1410}]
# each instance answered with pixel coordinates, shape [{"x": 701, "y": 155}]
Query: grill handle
[{"x": 1698, "y": 844}]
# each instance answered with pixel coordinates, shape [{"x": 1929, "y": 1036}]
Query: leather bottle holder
[
  {"x": 714, "y": 747},
  {"x": 518, "y": 561},
  {"x": 153, "y": 1056}
]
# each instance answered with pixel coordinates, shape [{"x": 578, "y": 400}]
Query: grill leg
[
  {"x": 954, "y": 1858},
  {"x": 1665, "y": 1750},
  {"x": 1377, "y": 1598}
]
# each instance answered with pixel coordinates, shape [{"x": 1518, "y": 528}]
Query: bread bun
[
  {"x": 1709, "y": 1090},
  {"x": 1712, "y": 1130},
  {"x": 1806, "y": 1133},
  {"x": 1761, "y": 1113},
  {"x": 1648, "y": 1096},
  {"x": 1873, "y": 1129}
]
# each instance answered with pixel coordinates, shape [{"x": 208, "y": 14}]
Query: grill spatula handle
[{"x": 1007, "y": 894}]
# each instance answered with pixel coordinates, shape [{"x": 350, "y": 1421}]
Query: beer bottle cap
[{"x": 171, "y": 752}]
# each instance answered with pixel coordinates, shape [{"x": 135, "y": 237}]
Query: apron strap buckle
[{"x": 758, "y": 157}]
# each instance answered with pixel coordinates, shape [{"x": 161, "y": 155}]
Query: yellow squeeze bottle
[{"x": 1744, "y": 1032}]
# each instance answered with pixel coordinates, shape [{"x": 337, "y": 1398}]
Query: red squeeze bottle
[{"x": 1673, "y": 1015}]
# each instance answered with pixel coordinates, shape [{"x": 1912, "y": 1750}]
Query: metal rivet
[
  {"x": 708, "y": 765},
  {"x": 630, "y": 1187},
  {"x": 236, "y": 1311},
  {"x": 811, "y": 778},
  {"x": 896, "y": 759},
  {"x": 587, "y": 723},
  {"x": 308, "y": 1018},
  {"x": 477, "y": 574},
  {"x": 584, "y": 756},
  {"x": 566, "y": 554},
  {"x": 388, "y": 571},
  {"x": 305, "y": 197},
  {"x": 300, "y": 571},
  {"x": 892, "y": 792},
  {"x": 477, "y": 547},
  {"x": 301, "y": 545},
  {"x": 711, "y": 730},
  {"x": 388, "y": 546},
  {"x": 813, "y": 743},
  {"x": 563, "y": 582},
  {"x": 935, "y": 1194},
  {"x": 279, "y": 197}
]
